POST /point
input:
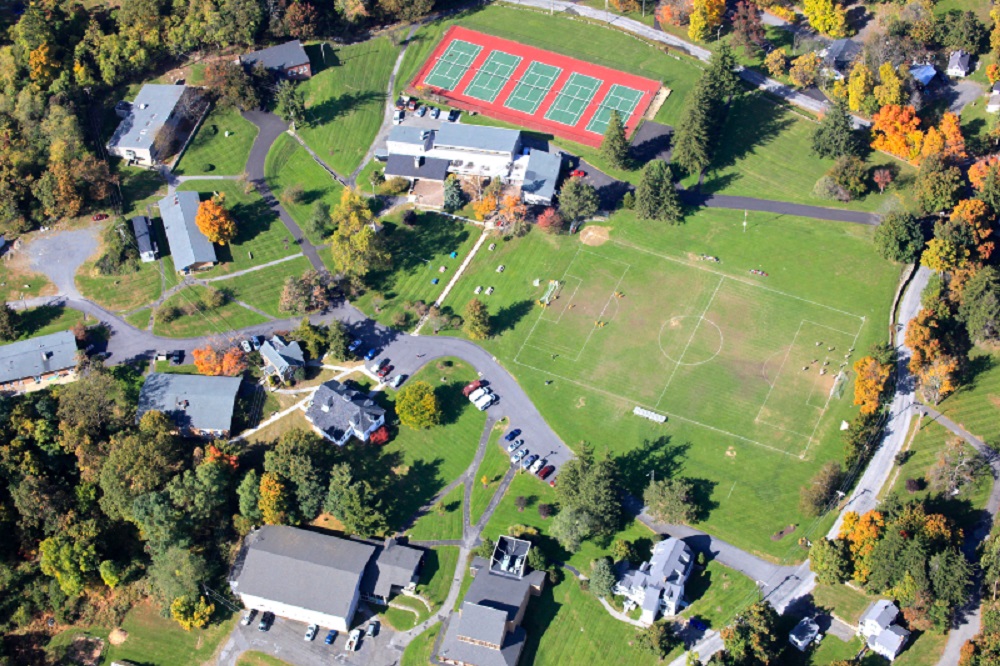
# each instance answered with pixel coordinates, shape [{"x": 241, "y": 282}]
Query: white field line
[
  {"x": 680, "y": 359},
  {"x": 780, "y": 368},
  {"x": 854, "y": 345},
  {"x": 454, "y": 279}
]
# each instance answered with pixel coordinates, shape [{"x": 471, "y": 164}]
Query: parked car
[
  {"x": 578, "y": 173},
  {"x": 401, "y": 102},
  {"x": 99, "y": 216},
  {"x": 512, "y": 435},
  {"x": 372, "y": 627},
  {"x": 246, "y": 346},
  {"x": 248, "y": 617},
  {"x": 485, "y": 401},
  {"x": 330, "y": 635},
  {"x": 265, "y": 621},
  {"x": 352, "y": 640},
  {"x": 256, "y": 341},
  {"x": 411, "y": 104},
  {"x": 384, "y": 371},
  {"x": 516, "y": 458},
  {"x": 697, "y": 623},
  {"x": 435, "y": 113},
  {"x": 371, "y": 353},
  {"x": 421, "y": 112},
  {"x": 397, "y": 381},
  {"x": 178, "y": 357},
  {"x": 469, "y": 388},
  {"x": 353, "y": 347},
  {"x": 454, "y": 115},
  {"x": 529, "y": 461},
  {"x": 537, "y": 465},
  {"x": 397, "y": 117},
  {"x": 311, "y": 632},
  {"x": 546, "y": 471},
  {"x": 514, "y": 446},
  {"x": 478, "y": 393}
]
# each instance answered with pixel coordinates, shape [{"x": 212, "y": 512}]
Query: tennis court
[
  {"x": 620, "y": 99},
  {"x": 573, "y": 99},
  {"x": 492, "y": 76},
  {"x": 453, "y": 64},
  {"x": 534, "y": 85},
  {"x": 531, "y": 87}
]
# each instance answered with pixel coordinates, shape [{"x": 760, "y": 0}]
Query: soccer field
[{"x": 724, "y": 352}]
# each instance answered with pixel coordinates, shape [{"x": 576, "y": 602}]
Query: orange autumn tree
[
  {"x": 210, "y": 361},
  {"x": 922, "y": 337},
  {"x": 896, "y": 130},
  {"x": 625, "y": 6},
  {"x": 862, "y": 534},
  {"x": 215, "y": 221},
  {"x": 870, "y": 383},
  {"x": 485, "y": 207},
  {"x": 976, "y": 214},
  {"x": 954, "y": 143},
  {"x": 978, "y": 171}
]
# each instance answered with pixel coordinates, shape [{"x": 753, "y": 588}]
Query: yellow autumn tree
[
  {"x": 890, "y": 89},
  {"x": 954, "y": 143},
  {"x": 805, "y": 69},
  {"x": 827, "y": 17},
  {"x": 937, "y": 378},
  {"x": 923, "y": 338},
  {"x": 870, "y": 383},
  {"x": 42, "y": 65},
  {"x": 942, "y": 255},
  {"x": 862, "y": 534},
  {"x": 191, "y": 614},
  {"x": 706, "y": 16},
  {"x": 933, "y": 143},
  {"x": 215, "y": 221},
  {"x": 776, "y": 62},
  {"x": 859, "y": 87},
  {"x": 485, "y": 207},
  {"x": 274, "y": 501}
]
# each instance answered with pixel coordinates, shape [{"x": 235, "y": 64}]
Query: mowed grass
[
  {"x": 493, "y": 468},
  {"x": 844, "y": 601},
  {"x": 437, "y": 573},
  {"x": 262, "y": 288},
  {"x": 202, "y": 319},
  {"x": 260, "y": 235},
  {"x": 47, "y": 319},
  {"x": 976, "y": 406},
  {"x": 289, "y": 164},
  {"x": 764, "y": 151},
  {"x": 254, "y": 658},
  {"x": 418, "y": 652},
  {"x": 418, "y": 254},
  {"x": 717, "y": 593},
  {"x": 345, "y": 100},
  {"x": 154, "y": 639},
  {"x": 434, "y": 526},
  {"x": 121, "y": 293},
  {"x": 211, "y": 152},
  {"x": 749, "y": 492}
]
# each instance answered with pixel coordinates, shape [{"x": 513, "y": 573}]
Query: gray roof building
[
  {"x": 188, "y": 246},
  {"x": 658, "y": 585},
  {"x": 416, "y": 136},
  {"x": 425, "y": 168},
  {"x": 804, "y": 633},
  {"x": 143, "y": 241},
  {"x": 37, "y": 357},
  {"x": 298, "y": 572},
  {"x": 959, "y": 63},
  {"x": 877, "y": 626},
  {"x": 151, "y": 109},
  {"x": 394, "y": 566},
  {"x": 541, "y": 176},
  {"x": 282, "y": 356},
  {"x": 339, "y": 412},
  {"x": 280, "y": 57},
  {"x": 923, "y": 74},
  {"x": 478, "y": 138},
  {"x": 841, "y": 53},
  {"x": 194, "y": 402}
]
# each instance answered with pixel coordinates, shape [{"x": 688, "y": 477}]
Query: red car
[
  {"x": 546, "y": 471},
  {"x": 99, "y": 216},
  {"x": 471, "y": 387},
  {"x": 579, "y": 173},
  {"x": 411, "y": 105},
  {"x": 384, "y": 371}
]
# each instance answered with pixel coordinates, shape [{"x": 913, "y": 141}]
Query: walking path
[
  {"x": 316, "y": 158},
  {"x": 230, "y": 276},
  {"x": 454, "y": 279}
]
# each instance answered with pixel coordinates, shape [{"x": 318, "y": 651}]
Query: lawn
[
  {"x": 844, "y": 601},
  {"x": 213, "y": 153},
  {"x": 140, "y": 187},
  {"x": 260, "y": 235},
  {"x": 140, "y": 318},
  {"x": 289, "y": 164},
  {"x": 748, "y": 485},
  {"x": 494, "y": 466},
  {"x": 433, "y": 526},
  {"x": 428, "y": 460},
  {"x": 273, "y": 432},
  {"x": 399, "y": 619},
  {"x": 418, "y": 652},
  {"x": 418, "y": 254},
  {"x": 345, "y": 100},
  {"x": 47, "y": 319},
  {"x": 717, "y": 593},
  {"x": 18, "y": 281},
  {"x": 976, "y": 406},
  {"x": 262, "y": 288},
  {"x": 203, "y": 320},
  {"x": 254, "y": 658},
  {"x": 764, "y": 151},
  {"x": 437, "y": 573},
  {"x": 121, "y": 293}
]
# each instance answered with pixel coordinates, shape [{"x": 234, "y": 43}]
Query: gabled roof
[
  {"x": 482, "y": 623},
  {"x": 334, "y": 408},
  {"x": 37, "y": 356},
  {"x": 282, "y": 355},
  {"x": 152, "y": 106},
  {"x": 959, "y": 60},
  {"x": 188, "y": 246},
  {"x": 804, "y": 632},
  {"x": 503, "y": 593},
  {"x": 542, "y": 174},
  {"x": 671, "y": 561},
  {"x": 283, "y": 56},
  {"x": 882, "y": 612},
  {"x": 407, "y": 166},
  {"x": 302, "y": 568},
  {"x": 456, "y": 650},
  {"x": 140, "y": 225},
  {"x": 191, "y": 401},
  {"x": 924, "y": 74},
  {"x": 394, "y": 565},
  {"x": 477, "y": 137},
  {"x": 841, "y": 52}
]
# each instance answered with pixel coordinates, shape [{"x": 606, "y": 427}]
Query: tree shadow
[
  {"x": 701, "y": 498},
  {"x": 412, "y": 490},
  {"x": 541, "y": 613},
  {"x": 451, "y": 401},
  {"x": 653, "y": 456},
  {"x": 252, "y": 219},
  {"x": 508, "y": 317},
  {"x": 652, "y": 141},
  {"x": 322, "y": 56},
  {"x": 330, "y": 109},
  {"x": 414, "y": 248},
  {"x": 752, "y": 121},
  {"x": 35, "y": 319}
]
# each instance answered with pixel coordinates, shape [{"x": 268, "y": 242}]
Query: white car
[
  {"x": 311, "y": 632},
  {"x": 478, "y": 393},
  {"x": 485, "y": 401},
  {"x": 352, "y": 641},
  {"x": 248, "y": 617},
  {"x": 396, "y": 381},
  {"x": 540, "y": 463},
  {"x": 516, "y": 458},
  {"x": 246, "y": 346},
  {"x": 397, "y": 116}
]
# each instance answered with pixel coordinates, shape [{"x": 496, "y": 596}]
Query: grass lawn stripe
[
  {"x": 453, "y": 64},
  {"x": 492, "y": 76},
  {"x": 621, "y": 99},
  {"x": 573, "y": 99},
  {"x": 533, "y": 87}
]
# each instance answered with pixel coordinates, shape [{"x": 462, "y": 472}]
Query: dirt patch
[
  {"x": 731, "y": 452},
  {"x": 581, "y": 402},
  {"x": 84, "y": 650},
  {"x": 117, "y": 636},
  {"x": 995, "y": 400},
  {"x": 778, "y": 536},
  {"x": 595, "y": 236}
]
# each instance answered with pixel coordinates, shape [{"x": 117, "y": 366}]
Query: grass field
[
  {"x": 262, "y": 288},
  {"x": 120, "y": 293},
  {"x": 47, "y": 319},
  {"x": 717, "y": 593},
  {"x": 260, "y": 235},
  {"x": 976, "y": 406},
  {"x": 211, "y": 152},
  {"x": 749, "y": 491},
  {"x": 446, "y": 525},
  {"x": 345, "y": 100},
  {"x": 139, "y": 188},
  {"x": 844, "y": 601},
  {"x": 206, "y": 320},
  {"x": 418, "y": 652},
  {"x": 437, "y": 573},
  {"x": 417, "y": 257},
  {"x": 289, "y": 164},
  {"x": 494, "y": 466},
  {"x": 253, "y": 658}
]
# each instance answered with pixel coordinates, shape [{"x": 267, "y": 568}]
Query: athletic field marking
[
  {"x": 854, "y": 344},
  {"x": 573, "y": 99},
  {"x": 579, "y": 283},
  {"x": 780, "y": 367},
  {"x": 452, "y": 64},
  {"x": 694, "y": 332},
  {"x": 621, "y": 99},
  {"x": 722, "y": 341},
  {"x": 532, "y": 88},
  {"x": 492, "y": 76}
]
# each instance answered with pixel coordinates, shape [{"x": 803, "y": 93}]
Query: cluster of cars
[
  {"x": 353, "y": 639},
  {"x": 479, "y": 394},
  {"x": 382, "y": 369},
  {"x": 521, "y": 455},
  {"x": 406, "y": 103},
  {"x": 252, "y": 343}
]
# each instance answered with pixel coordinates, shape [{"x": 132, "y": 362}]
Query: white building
[
  {"x": 339, "y": 413},
  {"x": 657, "y": 586},
  {"x": 804, "y": 633},
  {"x": 138, "y": 138},
  {"x": 878, "y": 628},
  {"x": 959, "y": 64}
]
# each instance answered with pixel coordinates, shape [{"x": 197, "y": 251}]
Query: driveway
[
  {"x": 961, "y": 93},
  {"x": 60, "y": 254}
]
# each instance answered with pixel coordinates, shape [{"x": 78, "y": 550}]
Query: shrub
[
  {"x": 399, "y": 319},
  {"x": 293, "y": 195},
  {"x": 827, "y": 188},
  {"x": 395, "y": 186},
  {"x": 628, "y": 201},
  {"x": 914, "y": 485},
  {"x": 410, "y": 217},
  {"x": 215, "y": 298},
  {"x": 167, "y": 314}
]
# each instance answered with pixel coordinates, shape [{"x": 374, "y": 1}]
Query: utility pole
[{"x": 744, "y": 221}]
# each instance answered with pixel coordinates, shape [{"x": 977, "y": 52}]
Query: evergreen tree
[
  {"x": 692, "y": 140},
  {"x": 835, "y": 135},
  {"x": 602, "y": 578},
  {"x": 477, "y": 320},
  {"x": 290, "y": 103},
  {"x": 656, "y": 197},
  {"x": 577, "y": 200},
  {"x": 721, "y": 73},
  {"x": 8, "y": 324},
  {"x": 614, "y": 147},
  {"x": 899, "y": 238},
  {"x": 980, "y": 309},
  {"x": 453, "y": 198},
  {"x": 938, "y": 185}
]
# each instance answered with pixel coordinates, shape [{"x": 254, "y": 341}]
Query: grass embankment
[{"x": 211, "y": 152}]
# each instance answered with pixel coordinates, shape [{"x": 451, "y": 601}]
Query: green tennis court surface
[
  {"x": 620, "y": 99},
  {"x": 533, "y": 87},
  {"x": 573, "y": 99},
  {"x": 452, "y": 65},
  {"x": 493, "y": 76}
]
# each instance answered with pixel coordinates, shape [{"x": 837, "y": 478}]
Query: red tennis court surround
[{"x": 467, "y": 62}]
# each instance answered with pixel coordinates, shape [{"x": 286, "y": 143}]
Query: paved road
[
  {"x": 778, "y": 208},
  {"x": 60, "y": 254}
]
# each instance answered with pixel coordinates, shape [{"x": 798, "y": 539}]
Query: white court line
[
  {"x": 568, "y": 303},
  {"x": 680, "y": 359},
  {"x": 780, "y": 368}
]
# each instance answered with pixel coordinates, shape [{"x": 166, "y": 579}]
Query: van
[
  {"x": 484, "y": 401},
  {"x": 478, "y": 393}
]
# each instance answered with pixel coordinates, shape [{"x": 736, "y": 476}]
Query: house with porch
[
  {"x": 147, "y": 131},
  {"x": 281, "y": 358},
  {"x": 657, "y": 586},
  {"x": 338, "y": 413}
]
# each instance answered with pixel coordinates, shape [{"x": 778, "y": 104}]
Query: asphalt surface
[{"x": 59, "y": 256}]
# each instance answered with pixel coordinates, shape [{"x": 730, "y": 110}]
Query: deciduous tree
[
  {"x": 229, "y": 362},
  {"x": 980, "y": 306},
  {"x": 417, "y": 407},
  {"x": 860, "y": 86},
  {"x": 899, "y": 238},
  {"x": 957, "y": 466},
  {"x": 275, "y": 503},
  {"x": 671, "y": 500},
  {"x": 706, "y": 16},
  {"x": 191, "y": 614},
  {"x": 897, "y": 131},
  {"x": 882, "y": 178},
  {"x": 571, "y": 527},
  {"x": 805, "y": 70},
  {"x": 357, "y": 248},
  {"x": 776, "y": 62},
  {"x": 827, "y": 17},
  {"x": 938, "y": 378},
  {"x": 748, "y": 31},
  {"x": 870, "y": 383},
  {"x": 938, "y": 185},
  {"x": 753, "y": 638},
  {"x": 674, "y": 12},
  {"x": 215, "y": 221},
  {"x": 657, "y": 639},
  {"x": 891, "y": 88},
  {"x": 301, "y": 20},
  {"x": 829, "y": 561},
  {"x": 862, "y": 534},
  {"x": 477, "y": 320},
  {"x": 550, "y": 221}
]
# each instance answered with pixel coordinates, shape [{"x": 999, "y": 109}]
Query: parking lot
[{"x": 286, "y": 641}]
